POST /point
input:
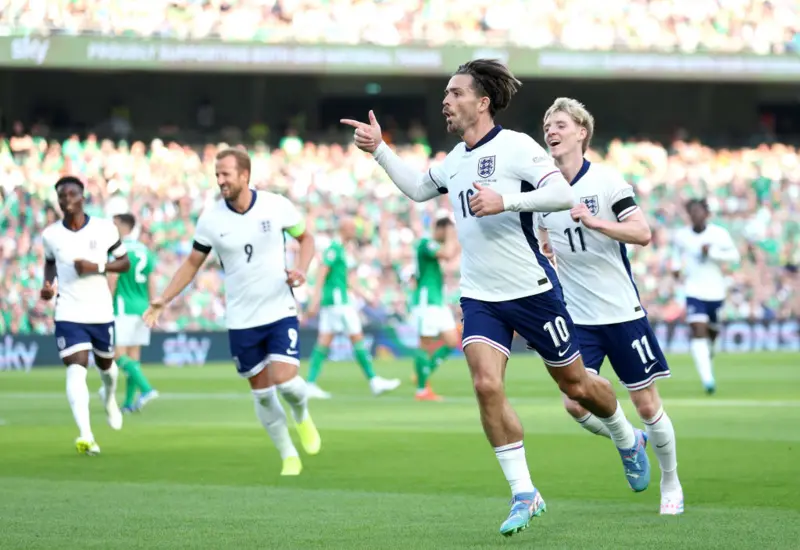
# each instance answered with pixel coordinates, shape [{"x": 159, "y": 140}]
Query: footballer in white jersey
[
  {"x": 699, "y": 254},
  {"x": 78, "y": 252},
  {"x": 246, "y": 232},
  {"x": 496, "y": 179},
  {"x": 589, "y": 247}
]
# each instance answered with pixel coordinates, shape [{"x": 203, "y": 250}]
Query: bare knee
[{"x": 487, "y": 386}]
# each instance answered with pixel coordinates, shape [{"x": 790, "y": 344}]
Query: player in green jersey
[
  {"x": 434, "y": 319},
  {"x": 337, "y": 314},
  {"x": 132, "y": 292}
]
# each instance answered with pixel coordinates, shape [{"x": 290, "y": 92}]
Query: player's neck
[
  {"x": 570, "y": 164},
  {"x": 75, "y": 221},
  {"x": 477, "y": 132},
  {"x": 243, "y": 201},
  {"x": 699, "y": 228}
]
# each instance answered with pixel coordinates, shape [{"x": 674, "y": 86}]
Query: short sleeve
[
  {"x": 430, "y": 248},
  {"x": 202, "y": 236},
  {"x": 151, "y": 262},
  {"x": 532, "y": 163},
  {"x": 49, "y": 255},
  {"x": 115, "y": 246},
  {"x": 621, "y": 196}
]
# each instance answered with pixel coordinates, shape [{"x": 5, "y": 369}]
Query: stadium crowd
[
  {"x": 754, "y": 26},
  {"x": 754, "y": 192}
]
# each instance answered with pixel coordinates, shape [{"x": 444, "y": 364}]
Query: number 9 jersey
[{"x": 251, "y": 250}]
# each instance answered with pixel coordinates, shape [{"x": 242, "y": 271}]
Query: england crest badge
[
  {"x": 592, "y": 204},
  {"x": 486, "y": 166}
]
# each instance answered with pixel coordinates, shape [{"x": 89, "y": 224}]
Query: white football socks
[
  {"x": 272, "y": 416},
  {"x": 701, "y": 353},
  {"x": 591, "y": 423},
  {"x": 109, "y": 378},
  {"x": 295, "y": 393},
  {"x": 515, "y": 467},
  {"x": 620, "y": 429},
  {"x": 78, "y": 397},
  {"x": 661, "y": 436}
]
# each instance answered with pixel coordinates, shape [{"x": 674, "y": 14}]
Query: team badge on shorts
[
  {"x": 592, "y": 204},
  {"x": 486, "y": 166},
  {"x": 61, "y": 342}
]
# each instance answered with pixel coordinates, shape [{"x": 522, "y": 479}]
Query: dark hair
[
  {"x": 492, "y": 79},
  {"x": 703, "y": 203},
  {"x": 242, "y": 158},
  {"x": 128, "y": 219},
  {"x": 64, "y": 180},
  {"x": 443, "y": 222}
]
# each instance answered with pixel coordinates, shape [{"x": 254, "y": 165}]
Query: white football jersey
[
  {"x": 500, "y": 258},
  {"x": 251, "y": 249},
  {"x": 82, "y": 298},
  {"x": 593, "y": 269},
  {"x": 703, "y": 277}
]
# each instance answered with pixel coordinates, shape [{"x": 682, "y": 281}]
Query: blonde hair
[{"x": 575, "y": 110}]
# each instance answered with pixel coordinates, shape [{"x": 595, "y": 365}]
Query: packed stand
[
  {"x": 751, "y": 26},
  {"x": 755, "y": 193}
]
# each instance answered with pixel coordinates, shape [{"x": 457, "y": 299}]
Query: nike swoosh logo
[
  {"x": 561, "y": 353},
  {"x": 546, "y": 214},
  {"x": 664, "y": 445},
  {"x": 649, "y": 367},
  {"x": 222, "y": 234},
  {"x": 454, "y": 175}
]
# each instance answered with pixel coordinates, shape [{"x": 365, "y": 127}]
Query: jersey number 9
[{"x": 248, "y": 249}]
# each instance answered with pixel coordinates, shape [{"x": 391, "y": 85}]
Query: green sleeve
[
  {"x": 151, "y": 262},
  {"x": 429, "y": 248}
]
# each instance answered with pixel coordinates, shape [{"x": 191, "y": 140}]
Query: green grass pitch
[{"x": 196, "y": 470}]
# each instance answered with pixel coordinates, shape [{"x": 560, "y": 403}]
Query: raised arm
[{"x": 417, "y": 186}]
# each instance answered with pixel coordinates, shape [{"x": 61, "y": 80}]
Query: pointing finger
[
  {"x": 353, "y": 123},
  {"x": 372, "y": 120}
]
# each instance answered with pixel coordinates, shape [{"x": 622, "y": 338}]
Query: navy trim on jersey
[
  {"x": 85, "y": 223},
  {"x": 526, "y": 220},
  {"x": 441, "y": 189},
  {"x": 582, "y": 172},
  {"x": 623, "y": 250},
  {"x": 205, "y": 249},
  {"x": 249, "y": 208},
  {"x": 485, "y": 139}
]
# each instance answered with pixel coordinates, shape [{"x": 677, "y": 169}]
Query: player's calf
[
  {"x": 661, "y": 436},
  {"x": 272, "y": 416},
  {"x": 584, "y": 418}
]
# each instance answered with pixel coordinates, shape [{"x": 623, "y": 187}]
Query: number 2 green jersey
[
  {"x": 430, "y": 280},
  {"x": 334, "y": 291},
  {"x": 132, "y": 295}
]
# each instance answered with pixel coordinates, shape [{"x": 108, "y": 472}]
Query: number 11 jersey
[
  {"x": 251, "y": 249},
  {"x": 594, "y": 270}
]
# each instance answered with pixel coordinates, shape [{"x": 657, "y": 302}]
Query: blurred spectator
[
  {"x": 755, "y": 193},
  {"x": 749, "y": 26}
]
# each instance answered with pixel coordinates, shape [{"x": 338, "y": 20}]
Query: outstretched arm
[
  {"x": 185, "y": 274},
  {"x": 418, "y": 187}
]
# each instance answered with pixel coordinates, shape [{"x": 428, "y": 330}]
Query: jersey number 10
[{"x": 464, "y": 197}]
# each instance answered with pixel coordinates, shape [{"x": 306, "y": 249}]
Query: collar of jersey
[
  {"x": 582, "y": 172},
  {"x": 249, "y": 208},
  {"x": 485, "y": 139},
  {"x": 85, "y": 223}
]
